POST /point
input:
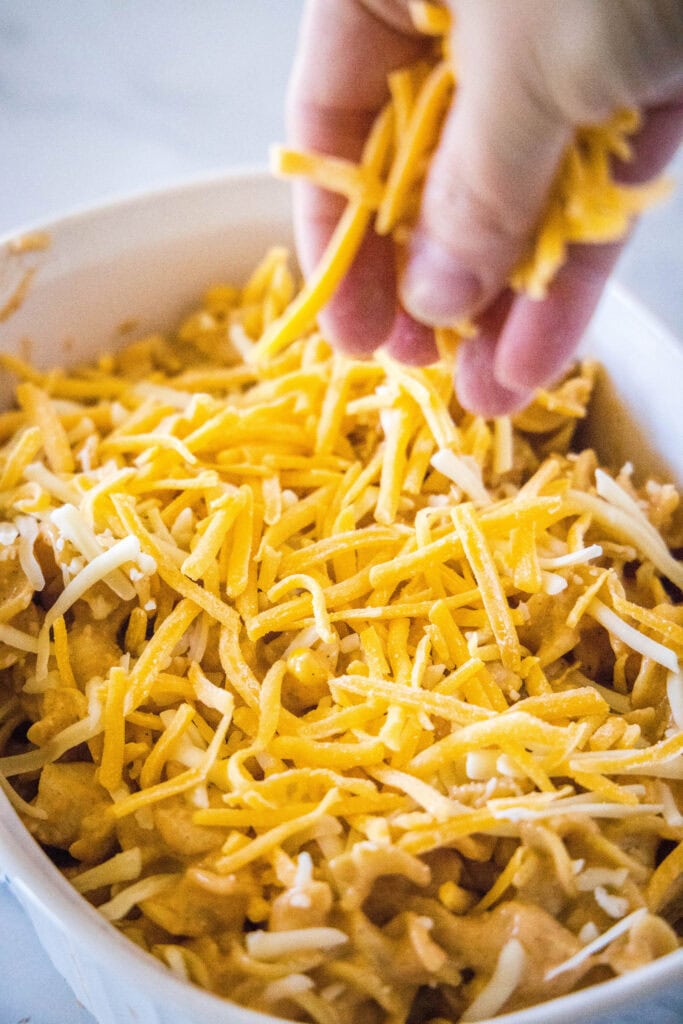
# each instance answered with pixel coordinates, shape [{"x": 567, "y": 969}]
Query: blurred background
[{"x": 99, "y": 98}]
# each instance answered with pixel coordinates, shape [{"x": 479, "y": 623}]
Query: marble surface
[{"x": 103, "y": 97}]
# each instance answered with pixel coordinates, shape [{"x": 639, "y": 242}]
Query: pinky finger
[{"x": 539, "y": 338}]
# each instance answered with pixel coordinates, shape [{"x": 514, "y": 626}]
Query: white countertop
[{"x": 104, "y": 97}]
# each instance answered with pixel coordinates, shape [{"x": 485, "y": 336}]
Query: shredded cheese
[
  {"x": 504, "y": 980},
  {"x": 599, "y": 943},
  {"x": 273, "y": 945},
  {"x": 127, "y": 898},
  {"x": 632, "y": 637},
  {"x": 124, "y": 551},
  {"x": 323, "y": 665},
  {"x": 122, "y": 867},
  {"x": 27, "y": 528}
]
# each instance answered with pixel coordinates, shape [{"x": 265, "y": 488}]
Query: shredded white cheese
[
  {"x": 504, "y": 980},
  {"x": 599, "y": 943},
  {"x": 126, "y": 550},
  {"x": 8, "y": 534},
  {"x": 578, "y": 557},
  {"x": 614, "y": 906},
  {"x": 129, "y": 897},
  {"x": 16, "y": 638},
  {"x": 28, "y": 534},
  {"x": 74, "y": 528},
  {"x": 274, "y": 945},
  {"x": 122, "y": 867},
  {"x": 632, "y": 637},
  {"x": 464, "y": 472},
  {"x": 587, "y": 880},
  {"x": 674, "y": 693}
]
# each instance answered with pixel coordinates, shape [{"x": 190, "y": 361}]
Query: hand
[{"x": 529, "y": 73}]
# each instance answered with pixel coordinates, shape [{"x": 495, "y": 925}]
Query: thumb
[{"x": 498, "y": 153}]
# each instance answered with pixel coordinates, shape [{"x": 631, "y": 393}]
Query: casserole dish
[{"x": 96, "y": 279}]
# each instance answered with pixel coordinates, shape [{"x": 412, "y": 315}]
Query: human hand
[{"x": 529, "y": 73}]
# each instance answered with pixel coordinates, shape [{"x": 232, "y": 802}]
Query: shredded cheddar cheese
[
  {"x": 585, "y": 203},
  {"x": 342, "y": 702}
]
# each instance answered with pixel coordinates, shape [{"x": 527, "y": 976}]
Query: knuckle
[{"x": 464, "y": 210}]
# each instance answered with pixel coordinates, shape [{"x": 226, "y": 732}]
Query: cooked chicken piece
[
  {"x": 76, "y": 808},
  {"x": 648, "y": 939},
  {"x": 475, "y": 943},
  {"x": 173, "y": 820},
  {"x": 60, "y": 708},
  {"x": 301, "y": 907},
  {"x": 92, "y": 646},
  {"x": 16, "y": 591},
  {"x": 191, "y": 909},
  {"x": 355, "y": 872},
  {"x": 403, "y": 956}
]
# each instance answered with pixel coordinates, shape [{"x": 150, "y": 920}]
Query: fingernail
[
  {"x": 514, "y": 378},
  {"x": 477, "y": 388},
  {"x": 436, "y": 288}
]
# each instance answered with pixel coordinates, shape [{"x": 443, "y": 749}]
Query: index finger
[{"x": 339, "y": 83}]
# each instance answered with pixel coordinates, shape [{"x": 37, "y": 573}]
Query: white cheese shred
[
  {"x": 285, "y": 988},
  {"x": 122, "y": 867},
  {"x": 603, "y": 940},
  {"x": 126, "y": 550},
  {"x": 572, "y": 558},
  {"x": 674, "y": 693},
  {"x": 633, "y": 638},
  {"x": 16, "y": 638},
  {"x": 274, "y": 945},
  {"x": 614, "y": 906},
  {"x": 8, "y": 534},
  {"x": 28, "y": 534},
  {"x": 464, "y": 473},
  {"x": 503, "y": 982},
  {"x": 129, "y": 897},
  {"x": 73, "y": 527}
]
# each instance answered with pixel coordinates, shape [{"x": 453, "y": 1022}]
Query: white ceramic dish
[{"x": 142, "y": 262}]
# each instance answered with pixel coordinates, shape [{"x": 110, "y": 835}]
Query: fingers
[
  {"x": 535, "y": 341},
  {"x": 475, "y": 382},
  {"x": 523, "y": 344},
  {"x": 410, "y": 341},
  {"x": 338, "y": 86},
  {"x": 529, "y": 343},
  {"x": 655, "y": 143},
  {"x": 488, "y": 178},
  {"x": 360, "y": 314},
  {"x": 487, "y": 184},
  {"x": 539, "y": 338}
]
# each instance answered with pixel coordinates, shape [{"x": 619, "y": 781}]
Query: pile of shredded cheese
[
  {"x": 585, "y": 203},
  {"x": 342, "y": 702}
]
